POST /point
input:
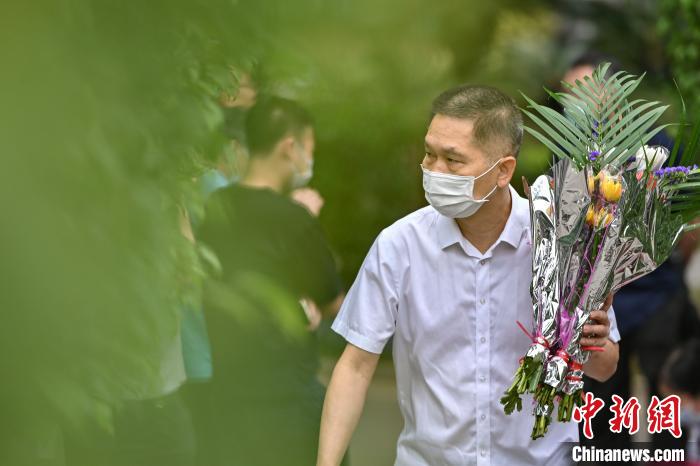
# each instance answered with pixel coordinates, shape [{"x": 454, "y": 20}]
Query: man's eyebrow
[{"x": 452, "y": 150}]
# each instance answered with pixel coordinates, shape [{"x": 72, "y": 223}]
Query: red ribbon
[
  {"x": 522, "y": 327},
  {"x": 539, "y": 339},
  {"x": 575, "y": 366},
  {"x": 545, "y": 343},
  {"x": 564, "y": 355}
]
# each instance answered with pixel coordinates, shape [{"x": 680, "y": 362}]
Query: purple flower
[
  {"x": 674, "y": 174},
  {"x": 593, "y": 155}
]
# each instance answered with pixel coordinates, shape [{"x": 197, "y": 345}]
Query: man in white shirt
[{"x": 449, "y": 282}]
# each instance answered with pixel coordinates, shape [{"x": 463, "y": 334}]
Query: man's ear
[
  {"x": 505, "y": 170},
  {"x": 286, "y": 148}
]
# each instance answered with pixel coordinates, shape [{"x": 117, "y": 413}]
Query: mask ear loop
[
  {"x": 492, "y": 167},
  {"x": 486, "y": 198}
]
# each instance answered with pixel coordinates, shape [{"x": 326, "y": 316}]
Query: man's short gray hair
[{"x": 498, "y": 122}]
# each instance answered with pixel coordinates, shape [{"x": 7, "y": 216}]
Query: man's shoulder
[
  {"x": 414, "y": 223},
  {"x": 243, "y": 198},
  {"x": 521, "y": 206}
]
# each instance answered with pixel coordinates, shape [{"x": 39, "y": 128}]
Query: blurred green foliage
[
  {"x": 679, "y": 25},
  {"x": 109, "y": 111}
]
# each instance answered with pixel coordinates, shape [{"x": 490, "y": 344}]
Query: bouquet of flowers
[{"x": 606, "y": 214}]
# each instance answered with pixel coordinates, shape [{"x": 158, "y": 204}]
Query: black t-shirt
[
  {"x": 258, "y": 230},
  {"x": 272, "y": 254}
]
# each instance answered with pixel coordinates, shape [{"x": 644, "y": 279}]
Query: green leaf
[
  {"x": 575, "y": 112},
  {"x": 592, "y": 101},
  {"x": 690, "y": 150},
  {"x": 599, "y": 73},
  {"x": 678, "y": 186},
  {"x": 573, "y": 134},
  {"x": 642, "y": 138},
  {"x": 553, "y": 147},
  {"x": 582, "y": 99},
  {"x": 556, "y": 137},
  {"x": 691, "y": 227},
  {"x": 621, "y": 94},
  {"x": 624, "y": 116},
  {"x": 631, "y": 132},
  {"x": 681, "y": 132},
  {"x": 577, "y": 131}
]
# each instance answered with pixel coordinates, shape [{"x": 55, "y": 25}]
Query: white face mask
[
  {"x": 302, "y": 178},
  {"x": 453, "y": 195}
]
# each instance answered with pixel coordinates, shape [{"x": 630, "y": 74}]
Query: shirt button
[
  {"x": 483, "y": 417},
  {"x": 483, "y": 452},
  {"x": 483, "y": 339},
  {"x": 482, "y": 261},
  {"x": 482, "y": 378},
  {"x": 482, "y": 300}
]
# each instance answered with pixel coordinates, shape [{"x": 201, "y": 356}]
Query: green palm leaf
[{"x": 549, "y": 144}]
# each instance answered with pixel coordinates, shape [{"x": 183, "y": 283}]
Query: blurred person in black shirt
[
  {"x": 278, "y": 274},
  {"x": 679, "y": 376}
]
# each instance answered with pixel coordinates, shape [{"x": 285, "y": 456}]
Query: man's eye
[{"x": 452, "y": 160}]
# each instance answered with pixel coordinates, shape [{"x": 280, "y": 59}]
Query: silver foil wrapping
[
  {"x": 556, "y": 371},
  {"x": 545, "y": 285}
]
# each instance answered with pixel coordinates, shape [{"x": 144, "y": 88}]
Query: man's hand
[
  {"x": 313, "y": 313},
  {"x": 308, "y": 198},
  {"x": 597, "y": 330},
  {"x": 602, "y": 364}
]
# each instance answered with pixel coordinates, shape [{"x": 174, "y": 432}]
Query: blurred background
[{"x": 113, "y": 113}]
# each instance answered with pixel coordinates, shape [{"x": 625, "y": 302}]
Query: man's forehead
[
  {"x": 443, "y": 146},
  {"x": 443, "y": 128}
]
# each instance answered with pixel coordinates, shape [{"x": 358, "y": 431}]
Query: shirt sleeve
[
  {"x": 367, "y": 318},
  {"x": 319, "y": 278},
  {"x": 614, "y": 332}
]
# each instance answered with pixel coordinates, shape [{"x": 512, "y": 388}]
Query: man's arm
[
  {"x": 344, "y": 402},
  {"x": 602, "y": 364}
]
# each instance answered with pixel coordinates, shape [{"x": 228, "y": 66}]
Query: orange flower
[
  {"x": 603, "y": 218},
  {"x": 611, "y": 188},
  {"x": 590, "y": 215},
  {"x": 591, "y": 184}
]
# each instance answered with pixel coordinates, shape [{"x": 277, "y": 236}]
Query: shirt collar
[{"x": 448, "y": 232}]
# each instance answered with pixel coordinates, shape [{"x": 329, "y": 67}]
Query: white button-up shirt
[{"x": 452, "y": 312}]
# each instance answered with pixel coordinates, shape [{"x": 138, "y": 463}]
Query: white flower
[{"x": 653, "y": 156}]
